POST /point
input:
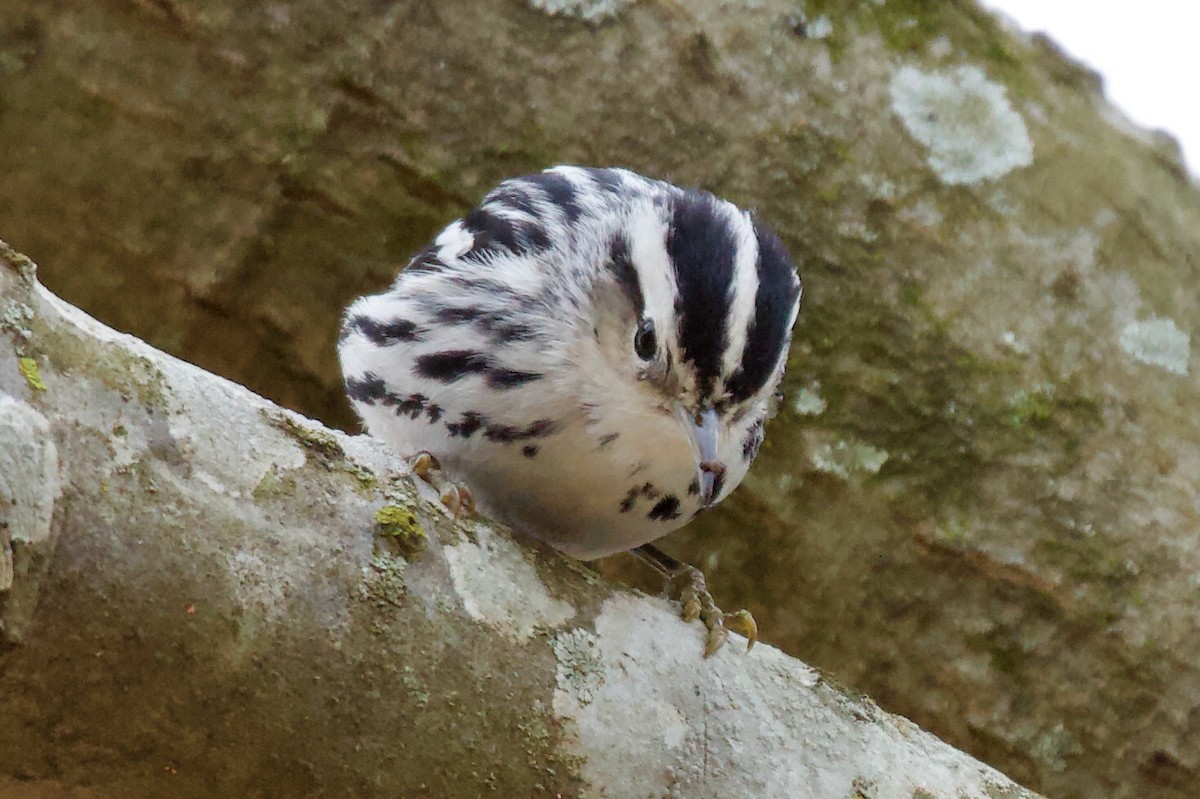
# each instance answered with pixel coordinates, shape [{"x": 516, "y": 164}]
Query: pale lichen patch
[
  {"x": 846, "y": 458},
  {"x": 268, "y": 588},
  {"x": 1009, "y": 339},
  {"x": 820, "y": 28},
  {"x": 260, "y": 589},
  {"x": 16, "y": 320},
  {"x": 579, "y": 670},
  {"x": 499, "y": 587},
  {"x": 29, "y": 481},
  {"x": 808, "y": 401},
  {"x": 1158, "y": 342},
  {"x": 589, "y": 10},
  {"x": 966, "y": 121},
  {"x": 1055, "y": 747},
  {"x": 195, "y": 395},
  {"x": 383, "y": 582},
  {"x": 922, "y": 212}
]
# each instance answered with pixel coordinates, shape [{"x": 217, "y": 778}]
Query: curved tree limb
[{"x": 202, "y": 597}]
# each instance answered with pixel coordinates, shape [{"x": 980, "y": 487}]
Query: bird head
[{"x": 685, "y": 330}]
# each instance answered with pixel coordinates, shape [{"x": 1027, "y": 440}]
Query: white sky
[{"x": 1148, "y": 53}]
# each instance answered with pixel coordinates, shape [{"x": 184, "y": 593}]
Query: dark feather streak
[
  {"x": 620, "y": 264},
  {"x": 500, "y": 328},
  {"x": 453, "y": 365},
  {"x": 497, "y": 234},
  {"x": 702, "y": 248},
  {"x": 752, "y": 441},
  {"x": 561, "y": 192},
  {"x": 370, "y": 389},
  {"x": 383, "y": 334}
]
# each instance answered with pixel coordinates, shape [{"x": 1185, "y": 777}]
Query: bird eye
[{"x": 645, "y": 343}]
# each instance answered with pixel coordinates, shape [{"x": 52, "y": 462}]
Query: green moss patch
[
  {"x": 29, "y": 369},
  {"x": 401, "y": 525}
]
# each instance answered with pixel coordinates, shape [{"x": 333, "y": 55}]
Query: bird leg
[
  {"x": 687, "y": 582},
  {"x": 456, "y": 497}
]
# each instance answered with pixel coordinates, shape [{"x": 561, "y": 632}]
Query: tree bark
[
  {"x": 979, "y": 502},
  {"x": 201, "y": 597}
]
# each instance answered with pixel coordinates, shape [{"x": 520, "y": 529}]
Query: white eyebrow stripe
[
  {"x": 454, "y": 241},
  {"x": 506, "y": 212},
  {"x": 743, "y": 291},
  {"x": 648, "y": 251}
]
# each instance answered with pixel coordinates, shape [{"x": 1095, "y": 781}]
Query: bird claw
[
  {"x": 455, "y": 497},
  {"x": 458, "y": 500},
  {"x": 691, "y": 605},
  {"x": 423, "y": 465},
  {"x": 716, "y": 638},
  {"x": 697, "y": 603},
  {"x": 744, "y": 625}
]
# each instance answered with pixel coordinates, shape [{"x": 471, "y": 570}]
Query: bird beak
[{"x": 702, "y": 427}]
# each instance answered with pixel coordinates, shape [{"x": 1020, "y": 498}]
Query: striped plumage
[{"x": 592, "y": 352}]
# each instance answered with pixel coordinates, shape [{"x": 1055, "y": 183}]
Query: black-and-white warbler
[{"x": 592, "y": 352}]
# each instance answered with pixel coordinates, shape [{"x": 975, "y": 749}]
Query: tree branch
[{"x": 199, "y": 596}]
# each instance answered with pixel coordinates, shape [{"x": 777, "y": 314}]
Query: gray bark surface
[
  {"x": 201, "y": 597},
  {"x": 979, "y": 505}
]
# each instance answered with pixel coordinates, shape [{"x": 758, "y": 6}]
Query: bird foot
[
  {"x": 687, "y": 583},
  {"x": 698, "y": 604},
  {"x": 455, "y": 497}
]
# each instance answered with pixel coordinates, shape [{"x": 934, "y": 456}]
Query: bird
[{"x": 592, "y": 353}]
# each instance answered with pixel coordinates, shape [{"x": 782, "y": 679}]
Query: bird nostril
[{"x": 715, "y": 468}]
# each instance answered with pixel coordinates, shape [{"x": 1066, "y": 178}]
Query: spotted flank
[
  {"x": 454, "y": 365},
  {"x": 371, "y": 390},
  {"x": 663, "y": 507},
  {"x": 507, "y": 433},
  {"x": 472, "y": 422},
  {"x": 383, "y": 333},
  {"x": 666, "y": 509},
  {"x": 497, "y": 325}
]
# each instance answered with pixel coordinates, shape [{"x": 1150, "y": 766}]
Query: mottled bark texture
[
  {"x": 202, "y": 594},
  {"x": 979, "y": 503}
]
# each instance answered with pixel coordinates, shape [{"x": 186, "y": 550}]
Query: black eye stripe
[{"x": 623, "y": 271}]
